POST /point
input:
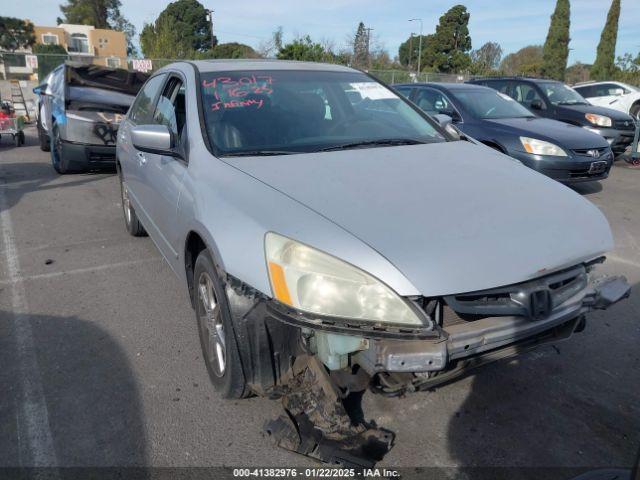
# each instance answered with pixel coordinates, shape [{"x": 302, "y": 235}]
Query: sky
[{"x": 512, "y": 23}]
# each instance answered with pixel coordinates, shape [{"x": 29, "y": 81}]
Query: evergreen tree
[
  {"x": 604, "y": 67},
  {"x": 556, "y": 48},
  {"x": 361, "y": 47},
  {"x": 448, "y": 49},
  {"x": 181, "y": 30}
]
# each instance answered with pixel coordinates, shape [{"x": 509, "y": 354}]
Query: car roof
[
  {"x": 445, "y": 85},
  {"x": 266, "y": 64},
  {"x": 526, "y": 79}
]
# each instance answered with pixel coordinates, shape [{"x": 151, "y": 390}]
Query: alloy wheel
[{"x": 211, "y": 326}]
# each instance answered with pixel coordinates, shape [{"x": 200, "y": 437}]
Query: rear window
[{"x": 115, "y": 79}]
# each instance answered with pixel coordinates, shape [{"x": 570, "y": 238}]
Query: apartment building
[{"x": 87, "y": 43}]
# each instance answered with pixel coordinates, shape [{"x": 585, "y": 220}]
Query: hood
[
  {"x": 453, "y": 217},
  {"x": 563, "y": 134},
  {"x": 582, "y": 109}
]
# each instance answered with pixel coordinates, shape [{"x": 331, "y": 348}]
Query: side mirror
[
  {"x": 445, "y": 122},
  {"x": 153, "y": 139},
  {"x": 40, "y": 89},
  {"x": 536, "y": 104},
  {"x": 455, "y": 116}
]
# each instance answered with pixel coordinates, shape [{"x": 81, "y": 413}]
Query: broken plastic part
[{"x": 318, "y": 424}]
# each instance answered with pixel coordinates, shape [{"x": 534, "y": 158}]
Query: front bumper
[
  {"x": 492, "y": 334},
  {"x": 82, "y": 155},
  {"x": 574, "y": 168},
  {"x": 487, "y": 325},
  {"x": 618, "y": 139}
]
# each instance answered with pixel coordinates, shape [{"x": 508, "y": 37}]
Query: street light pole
[{"x": 419, "y": 42}]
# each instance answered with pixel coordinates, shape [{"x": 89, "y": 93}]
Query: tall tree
[
  {"x": 486, "y": 58},
  {"x": 526, "y": 61},
  {"x": 408, "y": 51},
  {"x": 361, "y": 47},
  {"x": 604, "y": 67},
  {"x": 100, "y": 14},
  {"x": 556, "y": 47},
  {"x": 16, "y": 33},
  {"x": 181, "y": 29},
  {"x": 449, "y": 49}
]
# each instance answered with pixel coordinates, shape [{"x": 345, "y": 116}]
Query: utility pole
[
  {"x": 210, "y": 18},
  {"x": 410, "y": 51},
  {"x": 419, "y": 42},
  {"x": 368, "y": 29}
]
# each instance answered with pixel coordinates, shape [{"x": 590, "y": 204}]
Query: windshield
[
  {"x": 282, "y": 111},
  {"x": 488, "y": 104},
  {"x": 559, "y": 94}
]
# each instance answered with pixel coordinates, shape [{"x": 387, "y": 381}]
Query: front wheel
[
  {"x": 57, "y": 159},
  {"x": 218, "y": 342},
  {"x": 43, "y": 138},
  {"x": 635, "y": 111}
]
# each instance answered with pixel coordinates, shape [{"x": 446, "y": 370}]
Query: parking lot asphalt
[{"x": 100, "y": 363}]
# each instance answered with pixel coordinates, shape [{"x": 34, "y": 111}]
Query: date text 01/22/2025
[{"x": 315, "y": 473}]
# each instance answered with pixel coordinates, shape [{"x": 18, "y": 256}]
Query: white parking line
[
  {"x": 97, "y": 268},
  {"x": 39, "y": 450}
]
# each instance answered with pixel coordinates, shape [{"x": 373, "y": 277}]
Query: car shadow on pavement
[
  {"x": 20, "y": 178},
  {"x": 587, "y": 188},
  {"x": 559, "y": 410},
  {"x": 89, "y": 389}
]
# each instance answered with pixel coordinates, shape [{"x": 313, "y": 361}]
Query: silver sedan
[{"x": 332, "y": 237}]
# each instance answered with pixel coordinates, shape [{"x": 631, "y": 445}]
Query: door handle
[{"x": 141, "y": 158}]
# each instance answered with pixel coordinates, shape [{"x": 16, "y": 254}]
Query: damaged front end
[{"x": 320, "y": 367}]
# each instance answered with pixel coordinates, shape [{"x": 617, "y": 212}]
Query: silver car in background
[{"x": 332, "y": 237}]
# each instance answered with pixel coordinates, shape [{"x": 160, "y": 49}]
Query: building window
[
  {"x": 50, "y": 39},
  {"x": 113, "y": 62},
  {"x": 79, "y": 43}
]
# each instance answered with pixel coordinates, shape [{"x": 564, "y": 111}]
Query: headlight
[
  {"x": 599, "y": 120},
  {"x": 313, "y": 281},
  {"x": 540, "y": 147}
]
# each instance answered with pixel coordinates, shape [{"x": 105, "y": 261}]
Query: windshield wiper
[
  {"x": 372, "y": 143},
  {"x": 572, "y": 103},
  {"x": 259, "y": 153}
]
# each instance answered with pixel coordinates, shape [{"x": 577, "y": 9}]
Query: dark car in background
[
  {"x": 79, "y": 109},
  {"x": 554, "y": 99},
  {"x": 564, "y": 152}
]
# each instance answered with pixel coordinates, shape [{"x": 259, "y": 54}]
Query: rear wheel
[
  {"x": 635, "y": 111},
  {"x": 215, "y": 328},
  {"x": 133, "y": 225},
  {"x": 43, "y": 138}
]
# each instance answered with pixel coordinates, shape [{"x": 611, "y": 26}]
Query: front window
[
  {"x": 489, "y": 104},
  {"x": 282, "y": 111},
  {"x": 559, "y": 94}
]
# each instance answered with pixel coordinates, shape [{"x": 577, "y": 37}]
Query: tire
[
  {"x": 215, "y": 328},
  {"x": 57, "y": 159},
  {"x": 131, "y": 221},
  {"x": 16, "y": 140},
  {"x": 635, "y": 111},
  {"x": 43, "y": 138}
]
